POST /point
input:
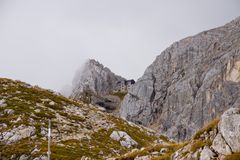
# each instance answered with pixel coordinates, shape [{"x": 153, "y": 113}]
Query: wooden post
[{"x": 49, "y": 139}]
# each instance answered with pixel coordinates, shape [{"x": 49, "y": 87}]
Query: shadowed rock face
[{"x": 189, "y": 84}]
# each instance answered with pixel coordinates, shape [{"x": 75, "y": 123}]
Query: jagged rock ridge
[
  {"x": 190, "y": 83},
  {"x": 97, "y": 85},
  {"x": 96, "y": 78}
]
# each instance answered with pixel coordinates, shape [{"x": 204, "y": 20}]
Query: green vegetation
[
  {"x": 141, "y": 137},
  {"x": 164, "y": 138},
  {"x": 207, "y": 128},
  {"x": 24, "y": 146},
  {"x": 121, "y": 95},
  {"x": 234, "y": 156},
  {"x": 163, "y": 157},
  {"x": 197, "y": 144}
]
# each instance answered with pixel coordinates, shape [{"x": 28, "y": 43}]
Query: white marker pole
[{"x": 49, "y": 138}]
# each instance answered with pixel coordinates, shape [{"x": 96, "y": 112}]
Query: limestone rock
[
  {"x": 189, "y": 84},
  {"x": 24, "y": 157},
  {"x": 143, "y": 158},
  {"x": 17, "y": 134},
  {"x": 51, "y": 103},
  {"x": 9, "y": 111},
  {"x": 43, "y": 157},
  {"x": 94, "y": 77},
  {"x": 95, "y": 84},
  {"x": 3, "y": 103},
  {"x": 206, "y": 154},
  {"x": 220, "y": 146},
  {"x": 124, "y": 139},
  {"x": 229, "y": 128}
]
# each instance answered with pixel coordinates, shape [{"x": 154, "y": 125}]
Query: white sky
[{"x": 44, "y": 42}]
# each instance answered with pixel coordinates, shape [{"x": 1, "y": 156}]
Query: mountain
[
  {"x": 79, "y": 130},
  {"x": 98, "y": 85},
  {"x": 82, "y": 131},
  {"x": 189, "y": 84}
]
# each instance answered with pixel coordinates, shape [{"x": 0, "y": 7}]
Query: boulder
[
  {"x": 51, "y": 103},
  {"x": 229, "y": 127},
  {"x": 124, "y": 139},
  {"x": 207, "y": 154},
  {"x": 220, "y": 146},
  {"x": 8, "y": 111},
  {"x": 3, "y": 103},
  {"x": 24, "y": 157},
  {"x": 17, "y": 134}
]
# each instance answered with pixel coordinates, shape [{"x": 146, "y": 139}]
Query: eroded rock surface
[
  {"x": 17, "y": 134},
  {"x": 96, "y": 84},
  {"x": 190, "y": 83},
  {"x": 94, "y": 77},
  {"x": 229, "y": 128}
]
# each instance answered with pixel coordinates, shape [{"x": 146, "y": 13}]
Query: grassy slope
[
  {"x": 24, "y": 100},
  {"x": 191, "y": 146}
]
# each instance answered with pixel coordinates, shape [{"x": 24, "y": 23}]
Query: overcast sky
[{"x": 43, "y": 42}]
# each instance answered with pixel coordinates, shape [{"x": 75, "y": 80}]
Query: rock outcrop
[
  {"x": 96, "y": 78},
  {"x": 95, "y": 84},
  {"x": 124, "y": 139},
  {"x": 229, "y": 129},
  {"x": 17, "y": 134},
  {"x": 189, "y": 84}
]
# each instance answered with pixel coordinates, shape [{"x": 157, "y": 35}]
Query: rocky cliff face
[
  {"x": 190, "y": 83},
  {"x": 96, "y": 78},
  {"x": 96, "y": 84}
]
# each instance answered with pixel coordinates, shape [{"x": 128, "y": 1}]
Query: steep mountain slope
[
  {"x": 79, "y": 131},
  {"x": 95, "y": 84},
  {"x": 189, "y": 84}
]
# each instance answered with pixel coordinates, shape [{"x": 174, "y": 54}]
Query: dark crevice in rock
[
  {"x": 226, "y": 142},
  {"x": 154, "y": 92},
  {"x": 134, "y": 96}
]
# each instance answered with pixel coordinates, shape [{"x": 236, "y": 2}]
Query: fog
[{"x": 43, "y": 42}]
